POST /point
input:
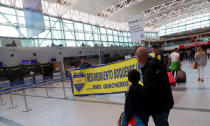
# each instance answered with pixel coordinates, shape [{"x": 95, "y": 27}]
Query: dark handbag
[{"x": 195, "y": 65}]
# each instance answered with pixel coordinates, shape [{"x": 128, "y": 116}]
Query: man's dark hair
[{"x": 134, "y": 76}]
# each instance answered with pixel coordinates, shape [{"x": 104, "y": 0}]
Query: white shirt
[{"x": 174, "y": 56}]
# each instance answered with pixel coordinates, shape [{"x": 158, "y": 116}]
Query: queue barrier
[{"x": 7, "y": 87}]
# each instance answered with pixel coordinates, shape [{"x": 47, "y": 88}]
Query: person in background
[
  {"x": 174, "y": 61},
  {"x": 84, "y": 64},
  {"x": 192, "y": 55},
  {"x": 13, "y": 44},
  {"x": 201, "y": 60},
  {"x": 156, "y": 52},
  {"x": 156, "y": 92},
  {"x": 208, "y": 52}
]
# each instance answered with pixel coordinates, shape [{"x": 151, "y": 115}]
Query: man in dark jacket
[{"x": 156, "y": 92}]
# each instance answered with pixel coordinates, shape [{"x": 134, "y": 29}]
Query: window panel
[
  {"x": 125, "y": 39},
  {"x": 45, "y": 34},
  {"x": 105, "y": 44},
  {"x": 103, "y": 30},
  {"x": 110, "y": 38},
  {"x": 88, "y": 36},
  {"x": 78, "y": 26},
  {"x": 45, "y": 43},
  {"x": 96, "y": 37},
  {"x": 7, "y": 10},
  {"x": 109, "y": 31},
  {"x": 103, "y": 37},
  {"x": 96, "y": 29},
  {"x": 116, "y": 39},
  {"x": 58, "y": 42},
  {"x": 80, "y": 36},
  {"x": 70, "y": 43},
  {"x": 9, "y": 31},
  {"x": 121, "y": 39},
  {"x": 115, "y": 32},
  {"x": 28, "y": 43},
  {"x": 68, "y": 27},
  {"x": 125, "y": 34},
  {"x": 22, "y": 21},
  {"x": 20, "y": 13},
  {"x": 69, "y": 35},
  {"x": 87, "y": 28},
  {"x": 89, "y": 44},
  {"x": 57, "y": 34}
]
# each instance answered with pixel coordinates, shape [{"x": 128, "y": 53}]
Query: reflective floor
[{"x": 192, "y": 106}]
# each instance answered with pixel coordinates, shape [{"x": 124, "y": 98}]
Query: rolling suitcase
[
  {"x": 171, "y": 78},
  {"x": 181, "y": 77}
]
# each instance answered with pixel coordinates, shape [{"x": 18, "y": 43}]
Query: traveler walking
[
  {"x": 208, "y": 52},
  {"x": 156, "y": 93},
  {"x": 201, "y": 60},
  {"x": 174, "y": 61}
]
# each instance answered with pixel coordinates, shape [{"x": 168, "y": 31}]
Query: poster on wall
[
  {"x": 34, "y": 18},
  {"x": 136, "y": 26}
]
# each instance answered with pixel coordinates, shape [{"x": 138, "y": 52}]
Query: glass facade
[
  {"x": 152, "y": 34},
  {"x": 60, "y": 32},
  {"x": 189, "y": 23}
]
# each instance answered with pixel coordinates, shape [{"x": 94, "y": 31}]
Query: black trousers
[{"x": 161, "y": 119}]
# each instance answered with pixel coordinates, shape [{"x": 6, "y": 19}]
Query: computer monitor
[
  {"x": 24, "y": 62},
  {"x": 53, "y": 60},
  {"x": 33, "y": 61},
  {"x": 1, "y": 64}
]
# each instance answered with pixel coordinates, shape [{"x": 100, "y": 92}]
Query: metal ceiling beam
[
  {"x": 65, "y": 11},
  {"x": 174, "y": 11},
  {"x": 116, "y": 8}
]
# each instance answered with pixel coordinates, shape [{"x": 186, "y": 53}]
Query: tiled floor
[{"x": 192, "y": 106}]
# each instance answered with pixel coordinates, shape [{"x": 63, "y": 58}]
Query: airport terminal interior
[{"x": 67, "y": 62}]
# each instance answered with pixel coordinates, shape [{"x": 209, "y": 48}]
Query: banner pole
[
  {"x": 12, "y": 104},
  {"x": 63, "y": 78},
  {"x": 2, "y": 102},
  {"x": 64, "y": 91},
  {"x": 25, "y": 101},
  {"x": 34, "y": 83},
  {"x": 34, "y": 91},
  {"x": 47, "y": 92}
]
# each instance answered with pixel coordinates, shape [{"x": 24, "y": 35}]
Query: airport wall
[{"x": 12, "y": 56}]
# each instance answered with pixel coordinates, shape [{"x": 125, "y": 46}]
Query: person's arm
[
  {"x": 169, "y": 61},
  {"x": 179, "y": 60},
  {"x": 196, "y": 58}
]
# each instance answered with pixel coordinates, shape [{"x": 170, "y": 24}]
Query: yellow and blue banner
[{"x": 105, "y": 79}]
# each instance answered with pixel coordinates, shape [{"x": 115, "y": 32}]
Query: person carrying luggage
[{"x": 174, "y": 62}]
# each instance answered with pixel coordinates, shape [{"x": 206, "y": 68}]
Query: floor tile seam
[{"x": 9, "y": 122}]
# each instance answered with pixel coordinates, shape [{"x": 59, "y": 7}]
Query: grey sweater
[{"x": 201, "y": 60}]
